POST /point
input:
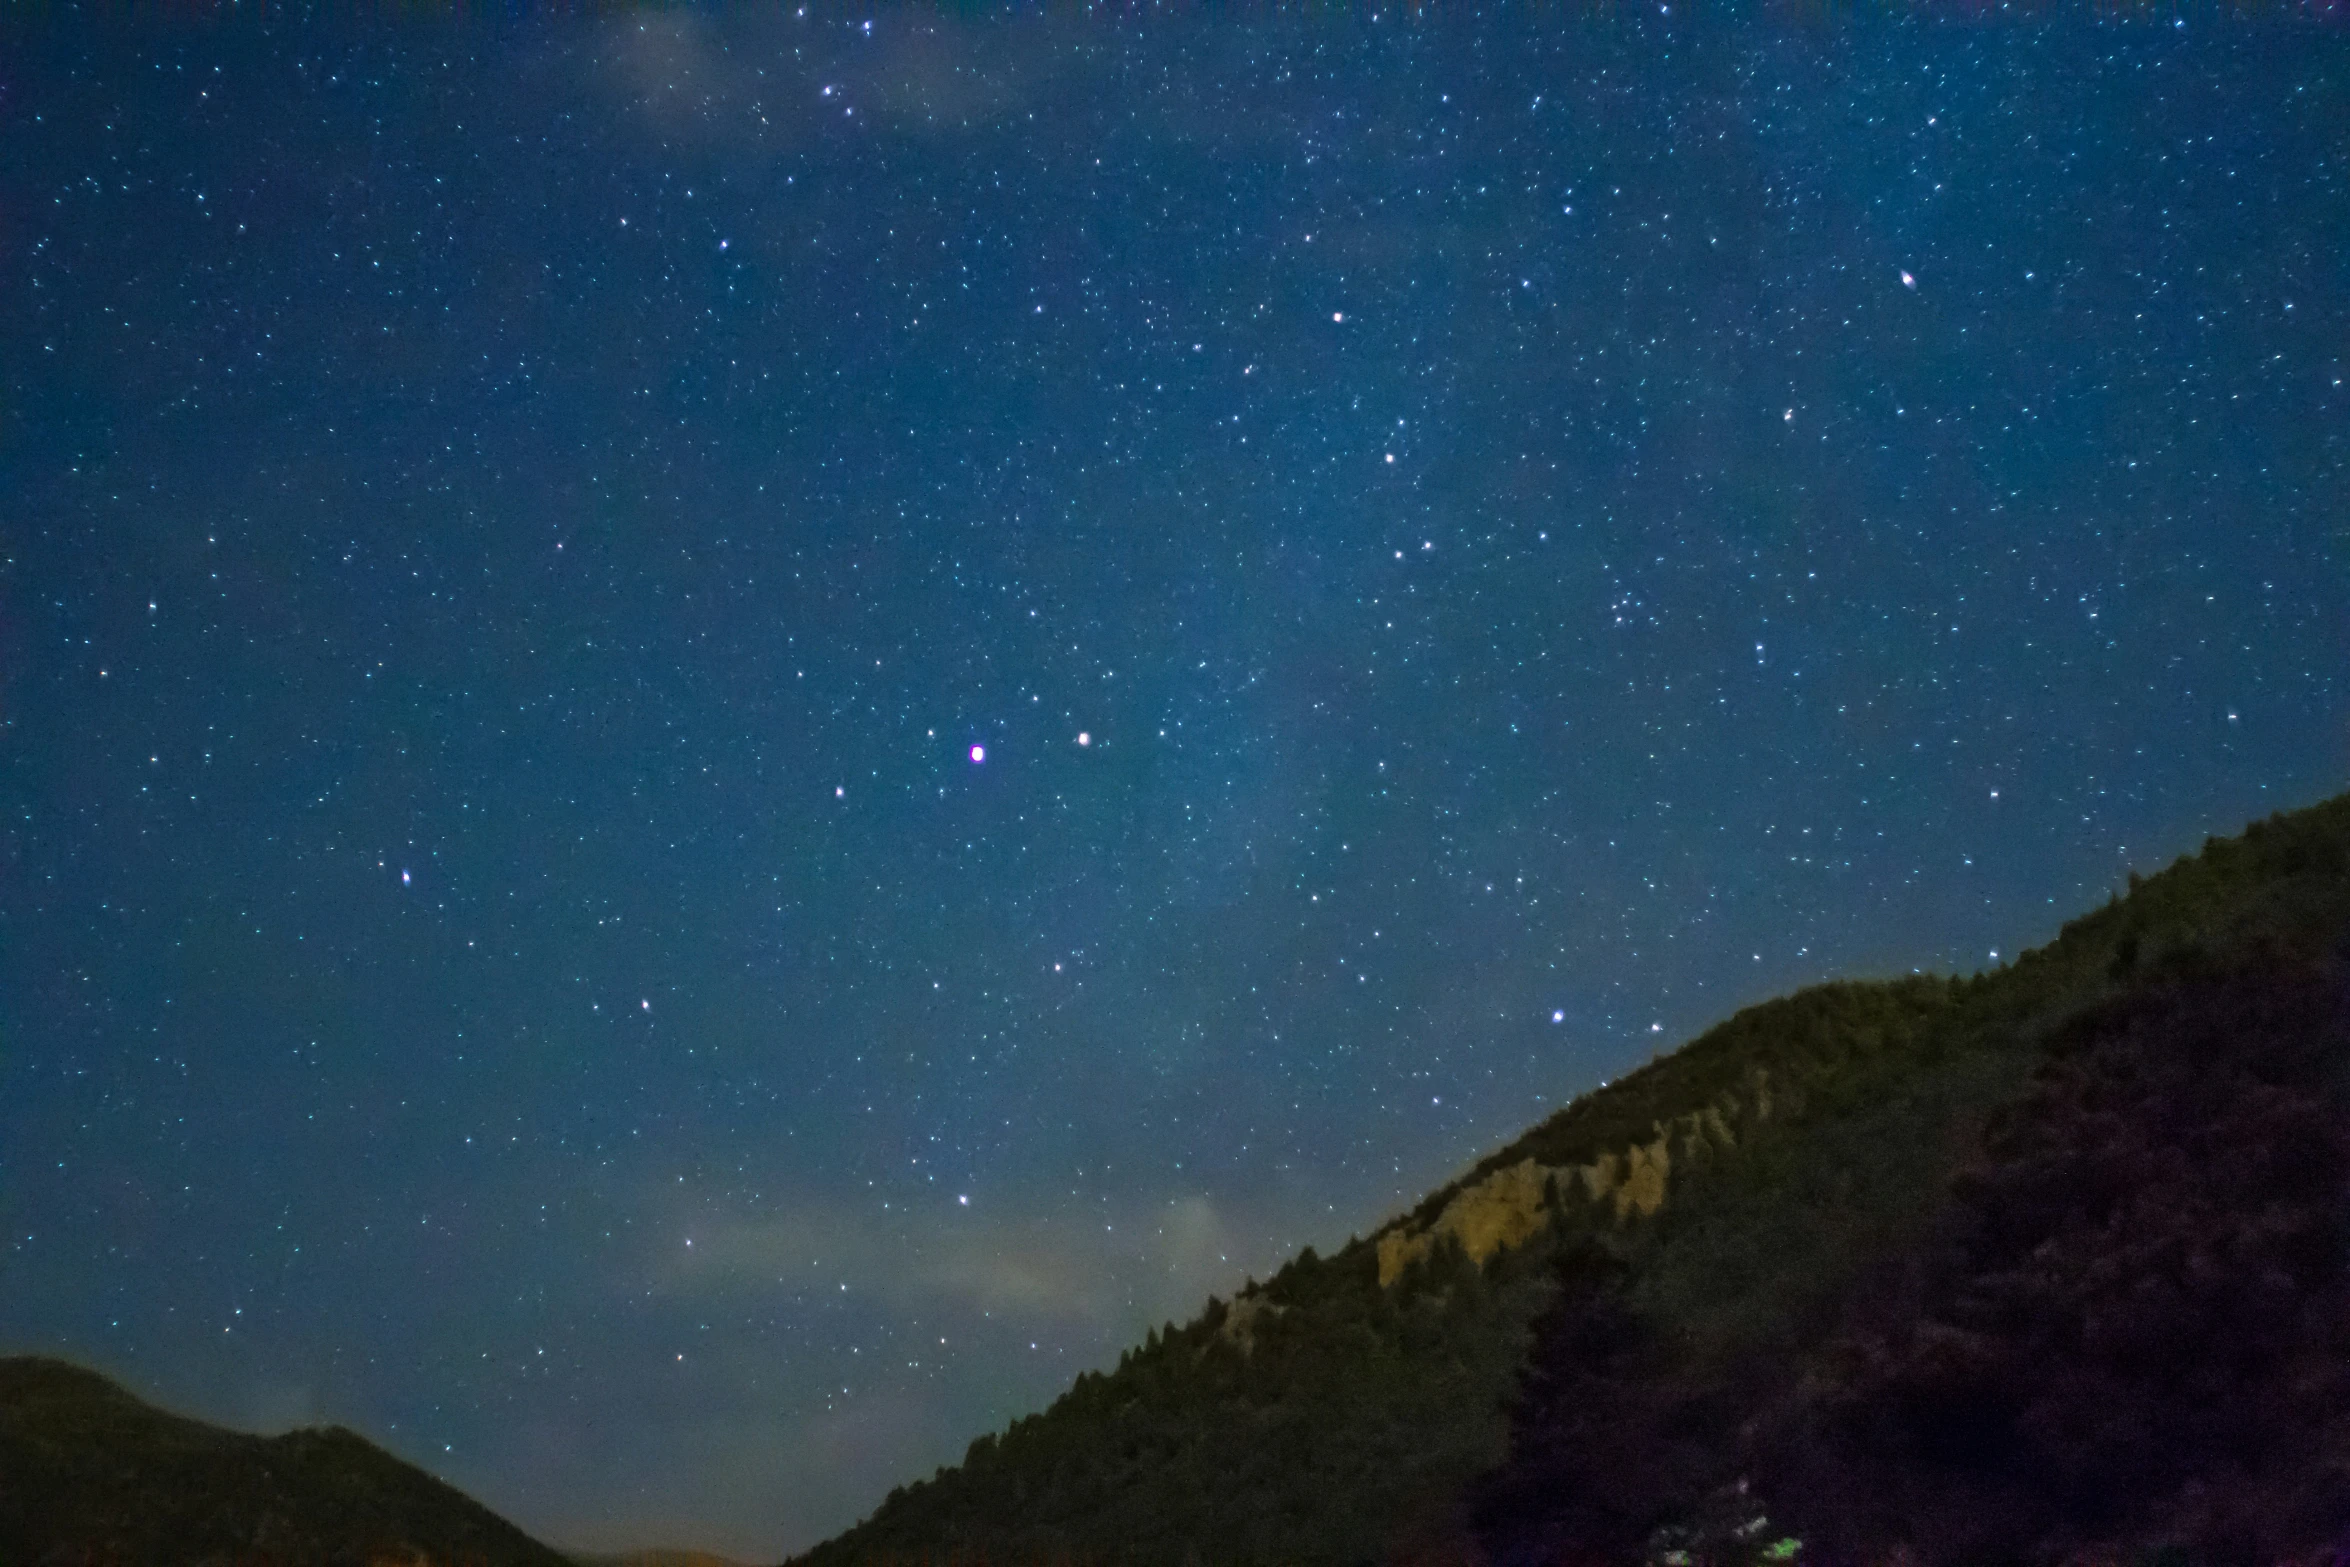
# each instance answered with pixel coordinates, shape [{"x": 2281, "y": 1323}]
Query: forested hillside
[{"x": 2000, "y": 1267}]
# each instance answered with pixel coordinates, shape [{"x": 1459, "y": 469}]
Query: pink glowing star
[{"x": 979, "y": 753}]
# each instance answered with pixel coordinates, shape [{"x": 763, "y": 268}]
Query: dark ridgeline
[
  {"x": 2049, "y": 1265},
  {"x": 92, "y": 1477},
  {"x": 2127, "y": 1320},
  {"x": 2123, "y": 1324},
  {"x": 2040, "y": 1266}
]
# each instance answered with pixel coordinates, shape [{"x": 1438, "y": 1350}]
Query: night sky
[{"x": 727, "y": 736}]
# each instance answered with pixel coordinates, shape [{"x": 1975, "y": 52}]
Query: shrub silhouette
[{"x": 2130, "y": 1323}]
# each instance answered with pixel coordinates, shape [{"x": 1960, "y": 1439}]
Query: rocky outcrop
[
  {"x": 1511, "y": 1204},
  {"x": 1500, "y": 1210},
  {"x": 1242, "y": 1317}
]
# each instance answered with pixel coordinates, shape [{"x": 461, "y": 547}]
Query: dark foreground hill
[
  {"x": 2041, "y": 1265},
  {"x": 92, "y": 1477}
]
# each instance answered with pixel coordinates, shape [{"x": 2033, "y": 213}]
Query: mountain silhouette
[
  {"x": 93, "y": 1477},
  {"x": 2045, "y": 1264}
]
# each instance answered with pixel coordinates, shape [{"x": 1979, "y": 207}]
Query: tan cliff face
[
  {"x": 1511, "y": 1204},
  {"x": 1501, "y": 1210}
]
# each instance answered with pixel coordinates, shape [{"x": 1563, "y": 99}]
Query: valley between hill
[{"x": 2049, "y": 1265}]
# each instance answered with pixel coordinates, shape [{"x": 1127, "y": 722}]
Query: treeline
[
  {"x": 1326, "y": 1419},
  {"x": 2121, "y": 1336},
  {"x": 1749, "y": 1375}
]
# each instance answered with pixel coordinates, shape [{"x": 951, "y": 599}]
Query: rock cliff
[{"x": 1508, "y": 1206}]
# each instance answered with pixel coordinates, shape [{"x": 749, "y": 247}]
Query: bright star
[{"x": 979, "y": 753}]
